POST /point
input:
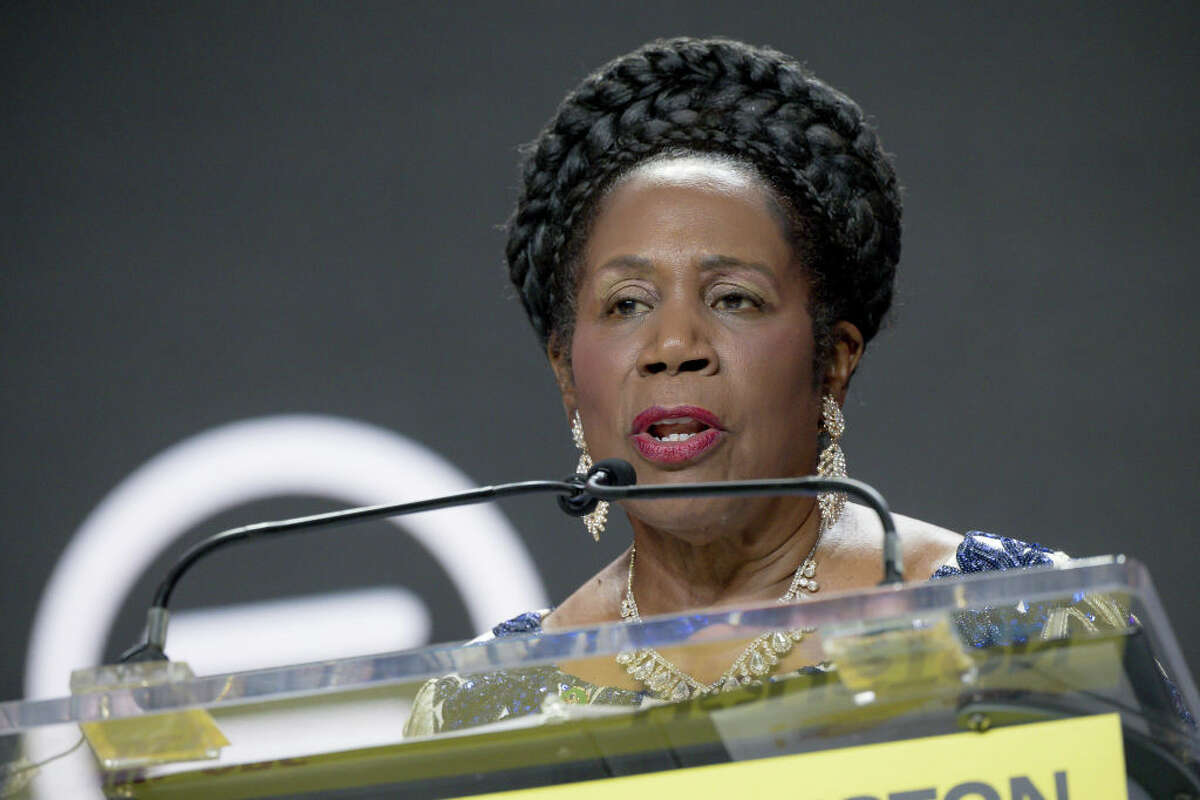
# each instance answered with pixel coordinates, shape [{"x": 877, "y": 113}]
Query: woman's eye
[
  {"x": 627, "y": 306},
  {"x": 735, "y": 301}
]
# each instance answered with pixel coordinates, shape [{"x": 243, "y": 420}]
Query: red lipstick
[{"x": 675, "y": 435}]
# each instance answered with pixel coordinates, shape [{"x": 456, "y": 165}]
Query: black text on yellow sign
[{"x": 1069, "y": 759}]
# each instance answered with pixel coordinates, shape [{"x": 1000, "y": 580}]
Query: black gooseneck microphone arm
[
  {"x": 612, "y": 479},
  {"x": 573, "y": 500}
]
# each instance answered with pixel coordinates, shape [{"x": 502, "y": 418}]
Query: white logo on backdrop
[{"x": 219, "y": 469}]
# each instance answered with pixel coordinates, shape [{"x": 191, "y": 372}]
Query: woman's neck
[{"x": 680, "y": 570}]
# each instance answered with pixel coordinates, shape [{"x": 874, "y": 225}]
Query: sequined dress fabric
[{"x": 454, "y": 702}]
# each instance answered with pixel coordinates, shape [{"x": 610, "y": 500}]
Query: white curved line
[{"x": 324, "y": 456}]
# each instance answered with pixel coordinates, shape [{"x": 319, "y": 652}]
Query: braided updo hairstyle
[{"x": 752, "y": 105}]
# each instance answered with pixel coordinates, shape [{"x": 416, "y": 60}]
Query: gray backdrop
[{"x": 225, "y": 211}]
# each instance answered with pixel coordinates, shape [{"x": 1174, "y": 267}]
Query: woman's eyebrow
[
  {"x": 627, "y": 263},
  {"x": 709, "y": 263},
  {"x": 642, "y": 265}
]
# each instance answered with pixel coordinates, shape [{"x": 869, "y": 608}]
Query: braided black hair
[{"x": 753, "y": 105}]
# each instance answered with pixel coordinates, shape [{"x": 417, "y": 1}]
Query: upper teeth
[{"x": 675, "y": 437}]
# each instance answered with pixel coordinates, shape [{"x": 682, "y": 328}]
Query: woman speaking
[{"x": 705, "y": 243}]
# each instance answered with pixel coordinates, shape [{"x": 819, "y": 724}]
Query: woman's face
[{"x": 692, "y": 355}]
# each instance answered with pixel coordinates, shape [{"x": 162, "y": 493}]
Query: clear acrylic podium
[{"x": 950, "y": 678}]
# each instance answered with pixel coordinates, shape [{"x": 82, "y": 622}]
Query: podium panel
[{"x": 1040, "y": 683}]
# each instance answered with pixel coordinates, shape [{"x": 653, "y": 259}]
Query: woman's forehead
[
  {"x": 688, "y": 204},
  {"x": 695, "y": 170}
]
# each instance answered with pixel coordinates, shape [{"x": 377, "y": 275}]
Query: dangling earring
[
  {"x": 595, "y": 521},
  {"x": 832, "y": 462}
]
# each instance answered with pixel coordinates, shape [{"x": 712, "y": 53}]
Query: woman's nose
[{"x": 678, "y": 342}]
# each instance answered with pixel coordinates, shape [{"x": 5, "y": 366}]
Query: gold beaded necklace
[{"x": 668, "y": 682}]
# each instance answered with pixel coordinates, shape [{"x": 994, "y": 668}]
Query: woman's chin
[{"x": 697, "y": 520}]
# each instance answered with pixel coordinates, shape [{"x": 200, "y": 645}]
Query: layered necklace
[{"x": 668, "y": 682}]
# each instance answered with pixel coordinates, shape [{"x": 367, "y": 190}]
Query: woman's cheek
[
  {"x": 598, "y": 366},
  {"x": 778, "y": 352}
]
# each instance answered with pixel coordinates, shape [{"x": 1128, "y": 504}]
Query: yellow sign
[{"x": 1066, "y": 759}]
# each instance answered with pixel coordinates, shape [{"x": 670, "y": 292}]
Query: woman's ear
[
  {"x": 848, "y": 347},
  {"x": 559, "y": 355}
]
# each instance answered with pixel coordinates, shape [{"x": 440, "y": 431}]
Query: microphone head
[
  {"x": 579, "y": 503},
  {"x": 614, "y": 472}
]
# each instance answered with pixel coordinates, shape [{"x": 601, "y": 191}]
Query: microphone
[
  {"x": 613, "y": 472},
  {"x": 611, "y": 479},
  {"x": 609, "y": 472}
]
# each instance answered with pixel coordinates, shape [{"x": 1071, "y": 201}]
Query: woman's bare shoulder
[
  {"x": 925, "y": 546},
  {"x": 596, "y": 601}
]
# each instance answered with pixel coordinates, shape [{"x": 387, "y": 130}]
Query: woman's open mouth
[{"x": 675, "y": 435}]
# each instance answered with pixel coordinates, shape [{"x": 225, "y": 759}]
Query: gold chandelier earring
[
  {"x": 832, "y": 461},
  {"x": 595, "y": 521}
]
